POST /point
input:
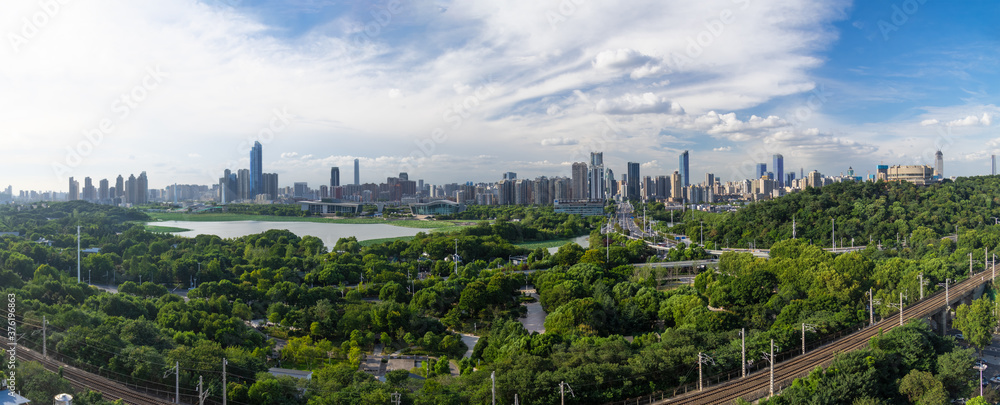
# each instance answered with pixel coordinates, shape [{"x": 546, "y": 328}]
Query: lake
[{"x": 328, "y": 233}]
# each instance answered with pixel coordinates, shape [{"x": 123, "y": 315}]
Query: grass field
[
  {"x": 545, "y": 244},
  {"x": 371, "y": 242}
]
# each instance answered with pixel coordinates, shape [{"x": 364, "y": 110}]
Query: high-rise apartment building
[
  {"x": 778, "y": 166},
  {"x": 633, "y": 181},
  {"x": 103, "y": 192},
  {"x": 685, "y": 167},
  {"x": 579, "y": 185},
  {"x": 74, "y": 190},
  {"x": 677, "y": 186}
]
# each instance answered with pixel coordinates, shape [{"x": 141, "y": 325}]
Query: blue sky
[{"x": 455, "y": 91}]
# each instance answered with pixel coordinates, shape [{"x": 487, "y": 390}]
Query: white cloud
[
  {"x": 722, "y": 149},
  {"x": 289, "y": 155},
  {"x": 929, "y": 122},
  {"x": 972, "y": 120},
  {"x": 559, "y": 142},
  {"x": 647, "y": 103}
]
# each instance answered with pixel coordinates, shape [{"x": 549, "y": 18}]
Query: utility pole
[
  {"x": 562, "y": 392},
  {"x": 900, "y": 305},
  {"x": 833, "y": 235},
  {"x": 45, "y": 352},
  {"x": 456, "y": 256},
  {"x": 921, "y": 286},
  {"x": 493, "y": 382},
  {"x": 77, "y": 253},
  {"x": 176, "y": 369},
  {"x": 202, "y": 395},
  {"x": 702, "y": 359},
  {"x": 397, "y": 398},
  {"x": 793, "y": 227},
  {"x": 225, "y": 388},
  {"x": 743, "y": 352},
  {"x": 871, "y": 308},
  {"x": 770, "y": 358},
  {"x": 812, "y": 328},
  {"x": 947, "y": 308},
  {"x": 970, "y": 264}
]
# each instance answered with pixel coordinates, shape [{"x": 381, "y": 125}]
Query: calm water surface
[{"x": 329, "y": 233}]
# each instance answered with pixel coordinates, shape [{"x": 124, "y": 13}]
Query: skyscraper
[
  {"x": 119, "y": 187},
  {"x": 357, "y": 173},
  {"x": 596, "y": 176},
  {"x": 334, "y": 177},
  {"x": 633, "y": 181},
  {"x": 778, "y": 166},
  {"x": 677, "y": 187},
  {"x": 761, "y": 171},
  {"x": 256, "y": 171},
  {"x": 74, "y": 190},
  {"x": 685, "y": 169},
  {"x": 939, "y": 164},
  {"x": 579, "y": 184}
]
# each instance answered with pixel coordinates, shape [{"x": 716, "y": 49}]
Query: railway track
[
  {"x": 757, "y": 385},
  {"x": 82, "y": 380}
]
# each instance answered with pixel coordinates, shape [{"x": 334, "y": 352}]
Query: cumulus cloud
[
  {"x": 289, "y": 155},
  {"x": 929, "y": 122},
  {"x": 722, "y": 149},
  {"x": 559, "y": 141},
  {"x": 646, "y": 103},
  {"x": 972, "y": 120},
  {"x": 639, "y": 65}
]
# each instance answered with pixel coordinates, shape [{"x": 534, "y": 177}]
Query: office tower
[
  {"x": 802, "y": 172},
  {"x": 510, "y": 176},
  {"x": 685, "y": 169},
  {"x": 778, "y": 166},
  {"x": 939, "y": 164},
  {"x": 596, "y": 178},
  {"x": 103, "y": 192},
  {"x": 74, "y": 190},
  {"x": 334, "y": 177},
  {"x": 256, "y": 171},
  {"x": 633, "y": 181},
  {"x": 579, "y": 184},
  {"x": 119, "y": 187},
  {"x": 357, "y": 173},
  {"x": 789, "y": 178},
  {"x": 677, "y": 186},
  {"x": 540, "y": 191},
  {"x": 760, "y": 171}
]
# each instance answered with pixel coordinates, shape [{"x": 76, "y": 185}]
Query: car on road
[{"x": 995, "y": 379}]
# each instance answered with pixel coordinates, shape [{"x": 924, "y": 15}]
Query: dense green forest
[
  {"x": 883, "y": 212},
  {"x": 613, "y": 331}
]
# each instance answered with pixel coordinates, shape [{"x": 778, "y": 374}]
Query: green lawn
[{"x": 545, "y": 243}]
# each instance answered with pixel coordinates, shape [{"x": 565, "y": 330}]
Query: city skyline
[{"x": 527, "y": 87}]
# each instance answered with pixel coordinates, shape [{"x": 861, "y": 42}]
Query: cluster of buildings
[
  {"x": 587, "y": 188},
  {"x": 127, "y": 192}
]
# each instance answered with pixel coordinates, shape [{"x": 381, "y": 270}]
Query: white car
[{"x": 995, "y": 379}]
